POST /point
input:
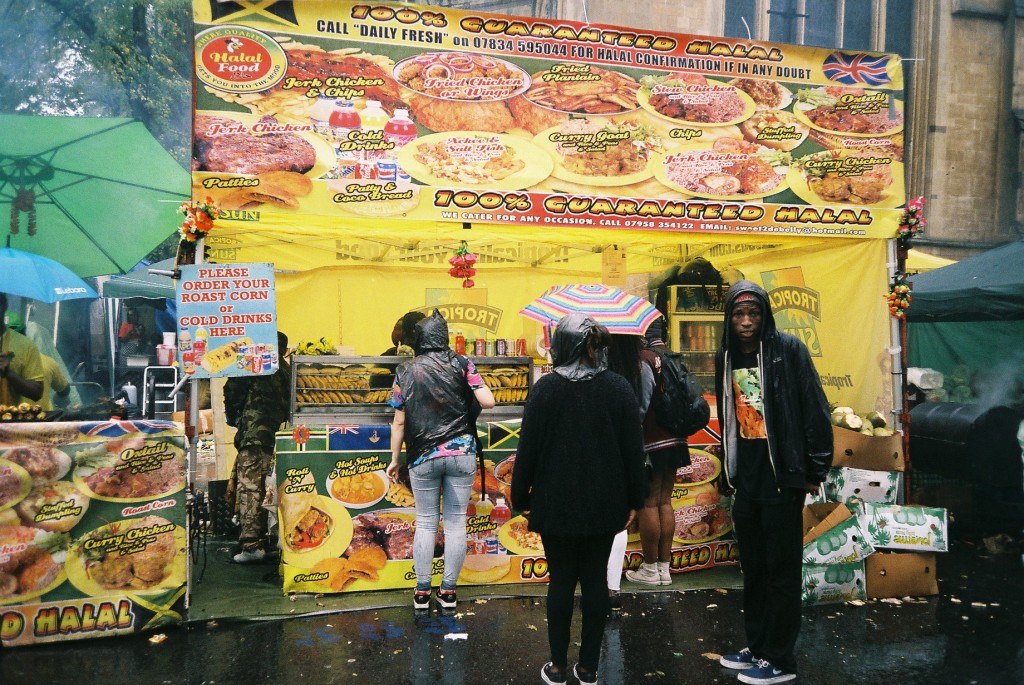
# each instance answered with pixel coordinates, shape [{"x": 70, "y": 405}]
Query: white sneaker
[
  {"x": 647, "y": 574},
  {"x": 664, "y": 573},
  {"x": 252, "y": 557}
]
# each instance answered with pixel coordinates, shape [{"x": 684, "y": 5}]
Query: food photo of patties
[
  {"x": 566, "y": 90},
  {"x": 458, "y": 91}
]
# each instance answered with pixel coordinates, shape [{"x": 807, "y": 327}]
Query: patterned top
[{"x": 460, "y": 444}]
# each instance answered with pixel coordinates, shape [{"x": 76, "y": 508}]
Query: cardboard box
[
  {"x": 901, "y": 574},
  {"x": 846, "y": 484},
  {"x": 833, "y": 583},
  {"x": 855, "y": 450},
  {"x": 836, "y": 538},
  {"x": 892, "y": 526},
  {"x": 205, "y": 423}
]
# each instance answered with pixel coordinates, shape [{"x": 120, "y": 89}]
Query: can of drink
[
  {"x": 256, "y": 366},
  {"x": 387, "y": 170},
  {"x": 403, "y": 176},
  {"x": 479, "y": 347},
  {"x": 366, "y": 169},
  {"x": 501, "y": 347},
  {"x": 188, "y": 362},
  {"x": 267, "y": 360},
  {"x": 520, "y": 347},
  {"x": 489, "y": 348},
  {"x": 347, "y": 164}
]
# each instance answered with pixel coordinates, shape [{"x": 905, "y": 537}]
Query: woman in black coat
[{"x": 579, "y": 479}]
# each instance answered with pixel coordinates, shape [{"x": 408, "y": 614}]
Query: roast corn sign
[{"x": 407, "y": 112}]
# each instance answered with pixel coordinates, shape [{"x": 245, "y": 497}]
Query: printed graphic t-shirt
[{"x": 755, "y": 478}]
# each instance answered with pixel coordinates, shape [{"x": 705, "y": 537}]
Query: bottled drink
[
  {"x": 345, "y": 119},
  {"x": 374, "y": 119},
  {"x": 460, "y": 342},
  {"x": 199, "y": 344},
  {"x": 320, "y": 116},
  {"x": 399, "y": 131},
  {"x": 373, "y": 116},
  {"x": 184, "y": 340},
  {"x": 500, "y": 515},
  {"x": 470, "y": 537},
  {"x": 488, "y": 538}
]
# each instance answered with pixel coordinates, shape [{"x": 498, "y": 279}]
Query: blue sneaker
[
  {"x": 742, "y": 659},
  {"x": 763, "y": 673}
]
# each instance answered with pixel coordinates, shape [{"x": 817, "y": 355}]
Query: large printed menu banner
[
  {"x": 344, "y": 109},
  {"x": 345, "y": 527},
  {"x": 92, "y": 529}
]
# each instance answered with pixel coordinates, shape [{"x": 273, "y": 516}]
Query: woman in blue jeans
[{"x": 433, "y": 398}]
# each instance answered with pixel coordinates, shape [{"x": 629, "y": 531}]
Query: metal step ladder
[{"x": 157, "y": 382}]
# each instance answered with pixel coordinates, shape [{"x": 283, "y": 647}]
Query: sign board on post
[{"x": 227, "y": 320}]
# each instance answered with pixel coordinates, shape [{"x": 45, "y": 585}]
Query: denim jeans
[{"x": 455, "y": 476}]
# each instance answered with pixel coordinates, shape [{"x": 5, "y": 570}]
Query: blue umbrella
[{"x": 39, "y": 278}]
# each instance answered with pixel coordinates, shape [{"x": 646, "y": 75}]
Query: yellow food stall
[{"x": 365, "y": 150}]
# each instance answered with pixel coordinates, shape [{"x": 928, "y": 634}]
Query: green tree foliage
[{"x": 120, "y": 58}]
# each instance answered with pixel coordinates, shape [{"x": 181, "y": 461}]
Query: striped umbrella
[{"x": 615, "y": 309}]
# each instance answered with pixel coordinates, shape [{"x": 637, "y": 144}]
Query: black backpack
[{"x": 680, "y": 407}]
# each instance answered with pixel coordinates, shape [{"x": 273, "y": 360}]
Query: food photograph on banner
[
  {"x": 92, "y": 529},
  {"x": 515, "y": 126}
]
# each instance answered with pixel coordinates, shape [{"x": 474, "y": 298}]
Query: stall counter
[{"x": 345, "y": 527}]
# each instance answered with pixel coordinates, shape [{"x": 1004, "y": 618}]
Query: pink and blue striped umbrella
[{"x": 615, "y": 309}]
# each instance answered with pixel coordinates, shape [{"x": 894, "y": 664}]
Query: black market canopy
[{"x": 986, "y": 287}]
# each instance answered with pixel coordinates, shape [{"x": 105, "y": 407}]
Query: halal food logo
[{"x": 237, "y": 59}]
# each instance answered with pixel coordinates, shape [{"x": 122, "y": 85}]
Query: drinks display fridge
[{"x": 695, "y": 328}]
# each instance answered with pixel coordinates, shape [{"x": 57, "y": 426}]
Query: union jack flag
[{"x": 856, "y": 67}]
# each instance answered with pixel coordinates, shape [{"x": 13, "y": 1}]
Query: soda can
[
  {"x": 489, "y": 348},
  {"x": 257, "y": 363},
  {"x": 267, "y": 360},
  {"x": 520, "y": 347},
  {"x": 403, "y": 176},
  {"x": 347, "y": 164},
  {"x": 479, "y": 347},
  {"x": 501, "y": 347},
  {"x": 387, "y": 170},
  {"x": 366, "y": 169}
]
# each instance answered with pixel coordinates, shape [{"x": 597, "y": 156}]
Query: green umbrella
[{"x": 96, "y": 194}]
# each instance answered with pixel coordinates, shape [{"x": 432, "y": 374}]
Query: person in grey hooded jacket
[
  {"x": 776, "y": 446},
  {"x": 433, "y": 399}
]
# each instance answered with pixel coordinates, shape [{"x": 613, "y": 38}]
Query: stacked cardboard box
[{"x": 850, "y": 528}]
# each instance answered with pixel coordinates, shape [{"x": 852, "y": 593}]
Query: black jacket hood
[
  {"x": 431, "y": 334},
  {"x": 767, "y": 322}
]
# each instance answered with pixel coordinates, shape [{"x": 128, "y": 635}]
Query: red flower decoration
[
  {"x": 462, "y": 265},
  {"x": 912, "y": 222}
]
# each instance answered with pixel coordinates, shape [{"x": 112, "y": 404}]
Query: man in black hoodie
[{"x": 776, "y": 445}]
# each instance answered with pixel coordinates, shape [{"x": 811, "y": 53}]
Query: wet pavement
[{"x": 970, "y": 633}]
